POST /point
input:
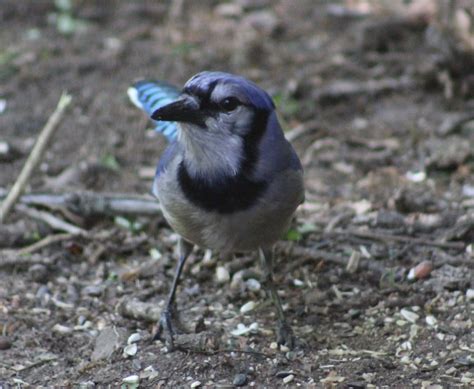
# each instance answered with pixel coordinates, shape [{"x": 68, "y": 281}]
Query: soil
[{"x": 388, "y": 166}]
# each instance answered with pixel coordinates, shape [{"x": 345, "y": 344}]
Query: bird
[{"x": 228, "y": 180}]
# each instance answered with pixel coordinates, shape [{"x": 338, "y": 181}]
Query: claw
[{"x": 167, "y": 326}]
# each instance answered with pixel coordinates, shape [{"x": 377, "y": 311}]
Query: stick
[
  {"x": 10, "y": 258},
  {"x": 50, "y": 239},
  {"x": 399, "y": 238},
  {"x": 51, "y": 220},
  {"x": 301, "y": 130},
  {"x": 35, "y": 156},
  {"x": 89, "y": 204}
]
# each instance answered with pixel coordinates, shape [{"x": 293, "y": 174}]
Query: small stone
[
  {"x": 5, "y": 343},
  {"x": 253, "y": 285},
  {"x": 107, "y": 342},
  {"x": 93, "y": 290},
  {"x": 222, "y": 275},
  {"x": 87, "y": 385},
  {"x": 410, "y": 316},
  {"x": 284, "y": 348},
  {"x": 39, "y": 273},
  {"x": 131, "y": 380},
  {"x": 420, "y": 271},
  {"x": 283, "y": 373},
  {"x": 61, "y": 329},
  {"x": 247, "y": 307},
  {"x": 135, "y": 337},
  {"x": 288, "y": 379},
  {"x": 470, "y": 294},
  {"x": 431, "y": 320},
  {"x": 196, "y": 384},
  {"x": 130, "y": 350},
  {"x": 274, "y": 345},
  {"x": 240, "y": 379}
]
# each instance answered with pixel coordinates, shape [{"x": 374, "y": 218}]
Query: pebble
[
  {"x": 108, "y": 341},
  {"x": 410, "y": 316},
  {"x": 135, "y": 337},
  {"x": 222, "y": 275},
  {"x": 39, "y": 273},
  {"x": 431, "y": 320},
  {"x": 240, "y": 379},
  {"x": 195, "y": 384},
  {"x": 283, "y": 373},
  {"x": 93, "y": 290},
  {"x": 130, "y": 350},
  {"x": 60, "y": 329},
  {"x": 288, "y": 379},
  {"x": 420, "y": 271},
  {"x": 253, "y": 285},
  {"x": 133, "y": 379},
  {"x": 274, "y": 345},
  {"x": 5, "y": 343},
  {"x": 470, "y": 294},
  {"x": 247, "y": 307}
]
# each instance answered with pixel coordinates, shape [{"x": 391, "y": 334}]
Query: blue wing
[{"x": 151, "y": 95}]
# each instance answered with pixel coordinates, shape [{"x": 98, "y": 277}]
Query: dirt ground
[{"x": 380, "y": 110}]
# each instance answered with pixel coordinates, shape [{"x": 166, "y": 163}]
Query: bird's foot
[
  {"x": 168, "y": 326},
  {"x": 285, "y": 335}
]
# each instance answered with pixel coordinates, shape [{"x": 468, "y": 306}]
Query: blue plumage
[
  {"x": 230, "y": 181},
  {"x": 151, "y": 95}
]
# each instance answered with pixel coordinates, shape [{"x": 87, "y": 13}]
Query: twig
[
  {"x": 51, "y": 220},
  {"x": 302, "y": 130},
  {"x": 35, "y": 156},
  {"x": 400, "y": 238},
  {"x": 90, "y": 204},
  {"x": 50, "y": 239},
  {"x": 9, "y": 258},
  {"x": 139, "y": 310},
  {"x": 309, "y": 254},
  {"x": 341, "y": 89}
]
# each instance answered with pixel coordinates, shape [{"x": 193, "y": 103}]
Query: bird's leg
[
  {"x": 284, "y": 332},
  {"x": 169, "y": 317}
]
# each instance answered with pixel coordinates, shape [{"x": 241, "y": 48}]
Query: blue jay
[{"x": 228, "y": 180}]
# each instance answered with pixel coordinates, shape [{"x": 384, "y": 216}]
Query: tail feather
[{"x": 151, "y": 95}]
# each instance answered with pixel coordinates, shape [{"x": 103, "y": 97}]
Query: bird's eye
[{"x": 229, "y": 103}]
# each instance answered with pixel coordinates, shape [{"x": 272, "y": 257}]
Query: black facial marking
[{"x": 228, "y": 194}]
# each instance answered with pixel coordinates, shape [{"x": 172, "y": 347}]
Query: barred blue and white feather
[{"x": 151, "y": 95}]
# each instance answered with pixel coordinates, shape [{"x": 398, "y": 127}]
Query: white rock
[
  {"x": 222, "y": 275},
  {"x": 130, "y": 350},
  {"x": 431, "y": 320},
  {"x": 274, "y": 345},
  {"x": 133, "y": 379},
  {"x": 253, "y": 285},
  {"x": 135, "y": 337},
  {"x": 410, "y": 316},
  {"x": 247, "y": 307},
  {"x": 416, "y": 176},
  {"x": 195, "y": 384},
  {"x": 297, "y": 282},
  {"x": 288, "y": 378},
  {"x": 470, "y": 294},
  {"x": 60, "y": 329}
]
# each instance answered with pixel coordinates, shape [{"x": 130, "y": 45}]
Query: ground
[{"x": 376, "y": 273}]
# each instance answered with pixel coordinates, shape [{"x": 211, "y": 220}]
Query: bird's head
[
  {"x": 217, "y": 103},
  {"x": 222, "y": 117}
]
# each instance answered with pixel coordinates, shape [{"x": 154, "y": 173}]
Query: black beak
[{"x": 185, "y": 110}]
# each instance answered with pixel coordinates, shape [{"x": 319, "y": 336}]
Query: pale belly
[{"x": 258, "y": 226}]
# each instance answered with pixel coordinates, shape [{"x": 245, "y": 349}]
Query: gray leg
[
  {"x": 284, "y": 332},
  {"x": 169, "y": 318}
]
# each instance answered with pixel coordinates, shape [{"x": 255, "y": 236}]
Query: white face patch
[{"x": 207, "y": 153}]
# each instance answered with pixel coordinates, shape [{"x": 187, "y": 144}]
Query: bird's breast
[{"x": 257, "y": 225}]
